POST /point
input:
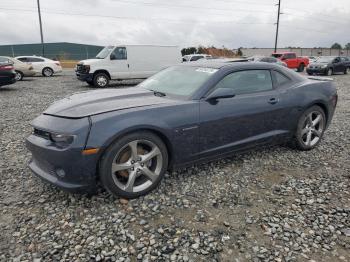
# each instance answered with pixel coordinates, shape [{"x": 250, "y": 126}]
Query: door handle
[{"x": 273, "y": 101}]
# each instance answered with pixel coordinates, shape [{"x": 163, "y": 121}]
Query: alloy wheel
[
  {"x": 48, "y": 72},
  {"x": 137, "y": 166},
  {"x": 18, "y": 76},
  {"x": 312, "y": 129}
]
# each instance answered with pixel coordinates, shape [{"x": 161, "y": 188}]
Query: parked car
[
  {"x": 21, "y": 69},
  {"x": 195, "y": 57},
  {"x": 126, "y": 62},
  {"x": 267, "y": 59},
  {"x": 42, "y": 65},
  {"x": 312, "y": 59},
  {"x": 7, "y": 72},
  {"x": 292, "y": 60},
  {"x": 194, "y": 112},
  {"x": 327, "y": 65}
]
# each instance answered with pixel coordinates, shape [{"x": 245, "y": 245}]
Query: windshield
[
  {"x": 325, "y": 59},
  {"x": 178, "y": 80},
  {"x": 277, "y": 55},
  {"x": 105, "y": 52}
]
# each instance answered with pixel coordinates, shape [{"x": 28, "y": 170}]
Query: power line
[{"x": 135, "y": 18}]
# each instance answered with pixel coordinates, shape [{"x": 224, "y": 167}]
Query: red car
[{"x": 292, "y": 60}]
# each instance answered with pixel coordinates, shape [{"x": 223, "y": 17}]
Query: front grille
[
  {"x": 41, "y": 133},
  {"x": 82, "y": 68}
]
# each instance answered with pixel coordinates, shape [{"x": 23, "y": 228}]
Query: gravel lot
[{"x": 272, "y": 204}]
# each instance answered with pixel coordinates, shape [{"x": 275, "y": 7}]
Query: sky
[{"x": 229, "y": 23}]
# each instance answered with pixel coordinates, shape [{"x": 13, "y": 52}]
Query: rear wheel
[
  {"x": 101, "y": 80},
  {"x": 311, "y": 127},
  {"x": 301, "y": 67},
  {"x": 134, "y": 165},
  {"x": 19, "y": 76},
  {"x": 47, "y": 71}
]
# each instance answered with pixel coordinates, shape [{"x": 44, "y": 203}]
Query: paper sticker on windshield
[{"x": 206, "y": 70}]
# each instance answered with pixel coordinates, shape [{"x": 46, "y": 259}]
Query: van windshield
[
  {"x": 180, "y": 81},
  {"x": 105, "y": 52}
]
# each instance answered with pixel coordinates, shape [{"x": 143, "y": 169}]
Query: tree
[
  {"x": 347, "y": 46},
  {"x": 188, "y": 51},
  {"x": 336, "y": 46}
]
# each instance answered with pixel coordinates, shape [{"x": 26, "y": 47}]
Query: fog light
[{"x": 60, "y": 172}]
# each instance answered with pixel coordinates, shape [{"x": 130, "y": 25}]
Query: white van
[{"x": 126, "y": 62}]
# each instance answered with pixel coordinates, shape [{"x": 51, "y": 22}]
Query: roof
[{"x": 220, "y": 64}]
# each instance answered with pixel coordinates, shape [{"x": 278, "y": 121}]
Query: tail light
[{"x": 6, "y": 67}]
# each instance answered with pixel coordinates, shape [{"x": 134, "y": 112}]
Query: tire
[
  {"x": 19, "y": 76},
  {"x": 101, "y": 80},
  {"x": 47, "y": 72},
  {"x": 347, "y": 70},
  {"x": 134, "y": 174},
  {"x": 310, "y": 131},
  {"x": 329, "y": 72},
  {"x": 301, "y": 67}
]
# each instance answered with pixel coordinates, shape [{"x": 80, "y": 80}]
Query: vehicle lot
[{"x": 269, "y": 204}]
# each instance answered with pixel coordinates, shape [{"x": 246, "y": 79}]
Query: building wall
[
  {"x": 59, "y": 51},
  {"x": 298, "y": 51}
]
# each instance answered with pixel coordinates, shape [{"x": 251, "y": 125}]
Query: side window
[
  {"x": 248, "y": 81},
  {"x": 34, "y": 59},
  {"x": 280, "y": 78},
  {"x": 23, "y": 59},
  {"x": 120, "y": 53}
]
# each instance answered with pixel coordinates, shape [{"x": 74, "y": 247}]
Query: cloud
[{"x": 220, "y": 23}]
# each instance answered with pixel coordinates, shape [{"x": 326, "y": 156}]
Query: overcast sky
[{"x": 230, "y": 23}]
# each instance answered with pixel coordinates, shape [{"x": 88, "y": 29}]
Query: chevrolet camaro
[{"x": 127, "y": 139}]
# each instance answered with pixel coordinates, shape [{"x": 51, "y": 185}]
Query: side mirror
[
  {"x": 220, "y": 93},
  {"x": 112, "y": 57}
]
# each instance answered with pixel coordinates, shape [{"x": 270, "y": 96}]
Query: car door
[
  {"x": 118, "y": 66},
  {"x": 249, "y": 118},
  {"x": 337, "y": 65}
]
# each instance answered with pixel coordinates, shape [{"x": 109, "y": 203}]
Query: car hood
[
  {"x": 101, "y": 101},
  {"x": 90, "y": 61}
]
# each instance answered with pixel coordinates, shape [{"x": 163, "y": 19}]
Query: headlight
[
  {"x": 87, "y": 68},
  {"x": 61, "y": 139}
]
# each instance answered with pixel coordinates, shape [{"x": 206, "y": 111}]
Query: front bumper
[
  {"x": 86, "y": 77},
  {"x": 48, "y": 163},
  {"x": 316, "y": 71}
]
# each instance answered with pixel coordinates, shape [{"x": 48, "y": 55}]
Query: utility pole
[
  {"x": 41, "y": 30},
  {"x": 277, "y": 24}
]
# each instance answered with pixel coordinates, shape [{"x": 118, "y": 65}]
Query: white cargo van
[{"x": 126, "y": 62}]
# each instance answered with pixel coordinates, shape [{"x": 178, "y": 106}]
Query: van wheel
[
  {"x": 101, "y": 80},
  {"x": 301, "y": 68}
]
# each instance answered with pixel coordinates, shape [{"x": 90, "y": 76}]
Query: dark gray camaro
[{"x": 128, "y": 138}]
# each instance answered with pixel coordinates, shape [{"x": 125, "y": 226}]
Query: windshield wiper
[{"x": 158, "y": 93}]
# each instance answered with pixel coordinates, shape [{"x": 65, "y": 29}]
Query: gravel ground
[{"x": 272, "y": 204}]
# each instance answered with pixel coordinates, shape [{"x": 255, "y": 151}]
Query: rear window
[{"x": 280, "y": 78}]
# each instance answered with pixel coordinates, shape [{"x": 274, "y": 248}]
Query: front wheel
[
  {"x": 19, "y": 76},
  {"x": 134, "y": 165},
  {"x": 101, "y": 80},
  {"x": 310, "y": 129}
]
